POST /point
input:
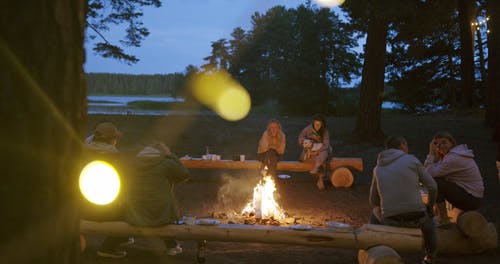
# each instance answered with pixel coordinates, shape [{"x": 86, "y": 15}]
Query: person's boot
[{"x": 444, "y": 220}]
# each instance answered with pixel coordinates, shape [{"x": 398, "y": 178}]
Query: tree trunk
[
  {"x": 482, "y": 66},
  {"x": 493, "y": 87},
  {"x": 42, "y": 112},
  {"x": 372, "y": 83},
  {"x": 465, "y": 9},
  {"x": 452, "y": 90}
]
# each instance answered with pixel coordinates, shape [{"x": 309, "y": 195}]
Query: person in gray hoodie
[
  {"x": 456, "y": 174},
  {"x": 395, "y": 193}
]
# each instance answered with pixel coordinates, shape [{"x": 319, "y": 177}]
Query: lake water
[{"x": 117, "y": 105}]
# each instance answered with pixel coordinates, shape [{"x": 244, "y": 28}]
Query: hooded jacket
[
  {"x": 396, "y": 182},
  {"x": 113, "y": 211},
  {"x": 151, "y": 200},
  {"x": 267, "y": 142},
  {"x": 459, "y": 167}
]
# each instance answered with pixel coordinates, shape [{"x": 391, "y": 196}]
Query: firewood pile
[{"x": 250, "y": 219}]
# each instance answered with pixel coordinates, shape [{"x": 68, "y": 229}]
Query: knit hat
[{"x": 106, "y": 130}]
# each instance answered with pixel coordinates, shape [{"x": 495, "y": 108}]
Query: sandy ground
[{"x": 218, "y": 191}]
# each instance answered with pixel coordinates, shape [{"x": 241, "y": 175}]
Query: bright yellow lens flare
[
  {"x": 233, "y": 104},
  {"x": 99, "y": 182},
  {"x": 330, "y": 3},
  {"x": 222, "y": 94}
]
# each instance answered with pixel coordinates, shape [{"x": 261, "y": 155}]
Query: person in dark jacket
[
  {"x": 102, "y": 146},
  {"x": 151, "y": 196}
]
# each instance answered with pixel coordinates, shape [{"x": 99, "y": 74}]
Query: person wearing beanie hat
[{"x": 102, "y": 145}]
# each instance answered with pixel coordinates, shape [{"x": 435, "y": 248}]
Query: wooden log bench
[
  {"x": 365, "y": 237},
  {"x": 339, "y": 168}
]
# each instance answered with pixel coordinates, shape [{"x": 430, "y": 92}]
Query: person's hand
[
  {"x": 433, "y": 148},
  {"x": 434, "y": 151}
]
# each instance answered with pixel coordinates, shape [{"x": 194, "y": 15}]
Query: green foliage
[
  {"x": 424, "y": 59},
  {"x": 346, "y": 102},
  {"x": 103, "y": 13},
  {"x": 296, "y": 56}
]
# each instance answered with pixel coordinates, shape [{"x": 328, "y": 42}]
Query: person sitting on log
[
  {"x": 456, "y": 174},
  {"x": 102, "y": 146},
  {"x": 315, "y": 142},
  {"x": 271, "y": 147},
  {"x": 151, "y": 198},
  {"x": 395, "y": 193}
]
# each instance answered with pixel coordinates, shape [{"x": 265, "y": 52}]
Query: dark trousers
[
  {"x": 413, "y": 220},
  {"x": 112, "y": 243},
  {"x": 456, "y": 195},
  {"x": 270, "y": 159}
]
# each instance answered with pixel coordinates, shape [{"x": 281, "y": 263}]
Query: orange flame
[{"x": 263, "y": 204}]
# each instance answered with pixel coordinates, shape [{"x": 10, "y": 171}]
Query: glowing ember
[{"x": 263, "y": 205}]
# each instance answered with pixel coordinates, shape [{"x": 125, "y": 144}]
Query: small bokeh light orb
[
  {"x": 99, "y": 182},
  {"x": 217, "y": 90},
  {"x": 330, "y": 3}
]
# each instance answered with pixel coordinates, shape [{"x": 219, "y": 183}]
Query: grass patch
[{"x": 152, "y": 105}]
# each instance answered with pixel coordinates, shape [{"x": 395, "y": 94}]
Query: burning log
[{"x": 263, "y": 204}]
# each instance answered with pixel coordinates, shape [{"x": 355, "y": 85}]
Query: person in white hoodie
[
  {"x": 395, "y": 193},
  {"x": 456, "y": 174}
]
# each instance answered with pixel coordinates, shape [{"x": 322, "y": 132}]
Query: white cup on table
[{"x": 242, "y": 157}]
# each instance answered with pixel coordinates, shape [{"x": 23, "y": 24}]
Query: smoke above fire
[{"x": 235, "y": 191}]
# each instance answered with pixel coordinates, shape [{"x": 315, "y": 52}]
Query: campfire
[{"x": 263, "y": 204}]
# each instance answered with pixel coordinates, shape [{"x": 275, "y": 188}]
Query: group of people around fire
[{"x": 448, "y": 174}]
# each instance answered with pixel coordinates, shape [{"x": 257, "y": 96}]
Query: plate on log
[
  {"x": 338, "y": 227},
  {"x": 301, "y": 227},
  {"x": 284, "y": 176},
  {"x": 207, "y": 222}
]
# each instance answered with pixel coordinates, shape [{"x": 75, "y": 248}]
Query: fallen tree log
[
  {"x": 400, "y": 239},
  {"x": 379, "y": 255},
  {"x": 472, "y": 224},
  {"x": 294, "y": 166},
  {"x": 409, "y": 239},
  {"x": 341, "y": 177},
  {"x": 453, "y": 240}
]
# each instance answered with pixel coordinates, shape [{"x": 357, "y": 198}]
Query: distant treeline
[{"x": 129, "y": 84}]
